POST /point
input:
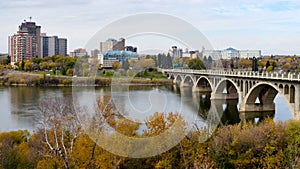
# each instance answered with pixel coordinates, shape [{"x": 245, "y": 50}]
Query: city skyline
[{"x": 271, "y": 26}]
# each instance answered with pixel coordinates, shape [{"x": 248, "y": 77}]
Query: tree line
[{"x": 60, "y": 141}]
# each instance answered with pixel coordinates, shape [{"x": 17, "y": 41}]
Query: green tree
[
  {"x": 196, "y": 64},
  {"x": 44, "y": 66}
]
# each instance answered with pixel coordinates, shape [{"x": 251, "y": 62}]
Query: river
[{"x": 20, "y": 105}]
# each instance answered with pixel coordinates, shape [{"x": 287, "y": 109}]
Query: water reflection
[
  {"x": 20, "y": 104},
  {"x": 223, "y": 112}
]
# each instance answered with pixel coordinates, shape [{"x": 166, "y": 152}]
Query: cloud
[{"x": 71, "y": 18}]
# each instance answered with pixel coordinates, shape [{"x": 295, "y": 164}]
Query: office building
[
  {"x": 176, "y": 52},
  {"x": 112, "y": 44},
  {"x": 62, "y": 46},
  {"x": 80, "y": 52},
  {"x": 108, "y": 58},
  {"x": 52, "y": 45}
]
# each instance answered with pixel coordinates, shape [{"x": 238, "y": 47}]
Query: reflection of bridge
[{"x": 256, "y": 91}]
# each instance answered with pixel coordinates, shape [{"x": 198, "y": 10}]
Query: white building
[{"x": 231, "y": 53}]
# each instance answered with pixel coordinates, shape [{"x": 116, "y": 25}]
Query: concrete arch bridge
[{"x": 256, "y": 91}]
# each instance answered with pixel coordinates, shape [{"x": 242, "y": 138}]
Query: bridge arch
[
  {"x": 204, "y": 84},
  {"x": 178, "y": 79},
  {"x": 171, "y": 76},
  {"x": 226, "y": 89},
  {"x": 260, "y": 98},
  {"x": 188, "y": 80}
]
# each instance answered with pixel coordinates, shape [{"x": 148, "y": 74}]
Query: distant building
[
  {"x": 28, "y": 43},
  {"x": 79, "y": 52},
  {"x": 52, "y": 45},
  {"x": 25, "y": 44},
  {"x": 175, "y": 52},
  {"x": 108, "y": 58},
  {"x": 21, "y": 47},
  {"x": 35, "y": 31},
  {"x": 130, "y": 48},
  {"x": 231, "y": 53},
  {"x": 95, "y": 52},
  {"x": 112, "y": 44},
  {"x": 112, "y": 51},
  {"x": 62, "y": 46}
]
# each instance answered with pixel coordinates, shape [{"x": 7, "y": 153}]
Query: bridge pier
[
  {"x": 249, "y": 112},
  {"x": 247, "y": 117}
]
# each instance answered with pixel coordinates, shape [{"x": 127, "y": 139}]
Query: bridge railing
[{"x": 264, "y": 75}]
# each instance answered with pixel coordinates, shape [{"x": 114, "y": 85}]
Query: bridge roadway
[{"x": 256, "y": 91}]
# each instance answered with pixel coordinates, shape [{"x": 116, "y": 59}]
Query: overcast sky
[{"x": 270, "y": 25}]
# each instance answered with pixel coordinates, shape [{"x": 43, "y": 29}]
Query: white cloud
[{"x": 80, "y": 19}]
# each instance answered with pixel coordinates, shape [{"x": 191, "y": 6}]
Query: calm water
[{"x": 19, "y": 105}]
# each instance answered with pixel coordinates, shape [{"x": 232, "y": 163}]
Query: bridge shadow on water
[{"x": 220, "y": 111}]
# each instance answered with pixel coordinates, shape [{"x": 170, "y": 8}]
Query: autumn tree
[
  {"x": 116, "y": 65},
  {"x": 59, "y": 122},
  {"x": 292, "y": 152},
  {"x": 244, "y": 63},
  {"x": 27, "y": 65}
]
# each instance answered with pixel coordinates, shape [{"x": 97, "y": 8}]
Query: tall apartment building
[
  {"x": 28, "y": 43},
  {"x": 52, "y": 45},
  {"x": 25, "y": 44},
  {"x": 112, "y": 44},
  {"x": 35, "y": 31},
  {"x": 20, "y": 46}
]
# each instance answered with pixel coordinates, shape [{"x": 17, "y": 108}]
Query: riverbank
[{"x": 31, "y": 79}]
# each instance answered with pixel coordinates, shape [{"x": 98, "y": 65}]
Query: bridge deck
[{"x": 242, "y": 74}]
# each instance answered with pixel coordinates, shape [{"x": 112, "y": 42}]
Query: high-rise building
[
  {"x": 28, "y": 43},
  {"x": 62, "y": 46},
  {"x": 35, "y": 31},
  {"x": 112, "y": 44},
  {"x": 25, "y": 44},
  {"x": 52, "y": 45},
  {"x": 175, "y": 52},
  {"x": 20, "y": 47}
]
